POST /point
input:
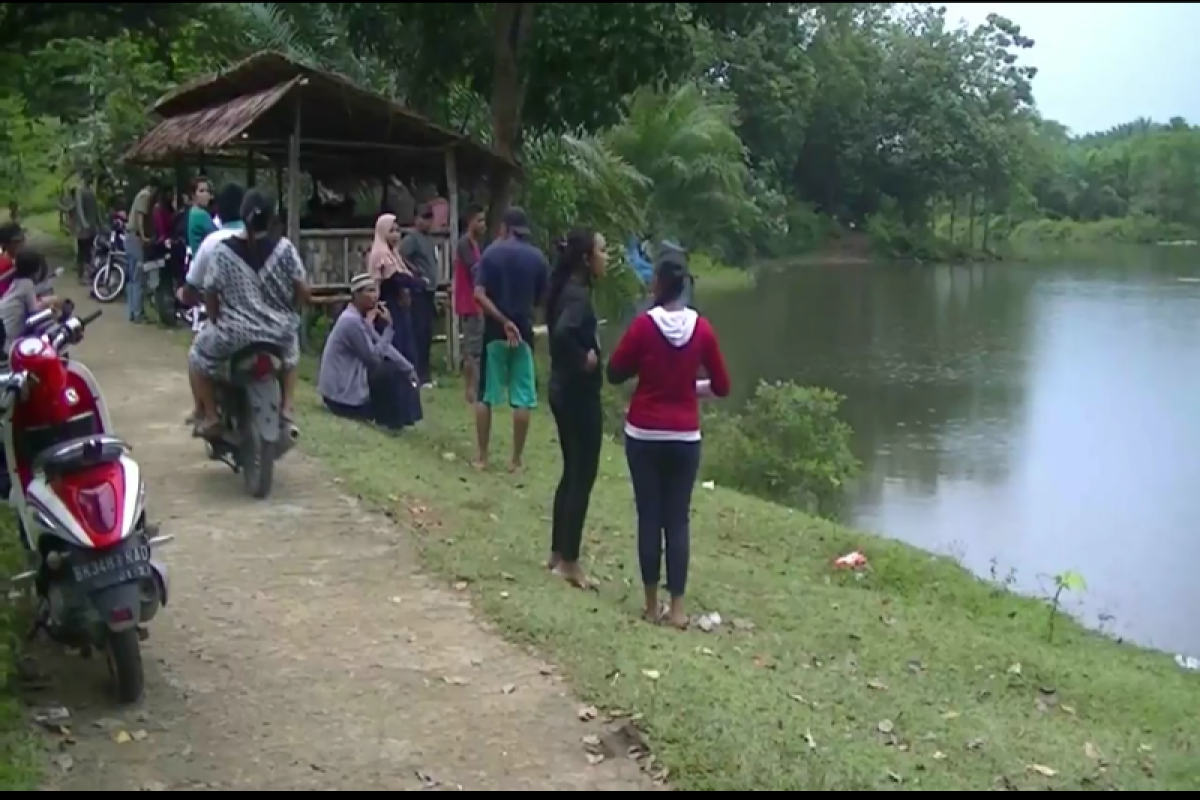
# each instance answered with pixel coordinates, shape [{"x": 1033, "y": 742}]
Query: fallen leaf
[
  {"x": 139, "y": 736},
  {"x": 586, "y": 714},
  {"x": 595, "y": 758},
  {"x": 1068, "y": 710},
  {"x": 504, "y": 595},
  {"x": 461, "y": 586},
  {"x": 1092, "y": 752},
  {"x": 592, "y": 744},
  {"x": 886, "y": 726},
  {"x": 798, "y": 698},
  {"x": 939, "y": 756},
  {"x": 454, "y": 681},
  {"x": 509, "y": 688},
  {"x": 1045, "y": 772},
  {"x": 808, "y": 737},
  {"x": 652, "y": 674},
  {"x": 64, "y": 762},
  {"x": 895, "y": 776},
  {"x": 1015, "y": 669},
  {"x": 122, "y": 737},
  {"x": 877, "y": 685},
  {"x": 950, "y": 715}
]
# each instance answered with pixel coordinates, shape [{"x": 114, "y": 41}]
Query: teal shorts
[{"x": 508, "y": 370}]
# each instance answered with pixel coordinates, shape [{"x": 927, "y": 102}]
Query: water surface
[{"x": 1027, "y": 419}]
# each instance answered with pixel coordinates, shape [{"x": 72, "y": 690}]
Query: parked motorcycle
[
  {"x": 80, "y": 502},
  {"x": 253, "y": 434},
  {"x": 107, "y": 270}
]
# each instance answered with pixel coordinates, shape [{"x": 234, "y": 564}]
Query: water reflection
[{"x": 1042, "y": 417}]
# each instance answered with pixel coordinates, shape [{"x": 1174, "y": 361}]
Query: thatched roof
[{"x": 246, "y": 105}]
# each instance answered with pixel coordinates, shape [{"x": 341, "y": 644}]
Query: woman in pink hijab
[{"x": 393, "y": 277}]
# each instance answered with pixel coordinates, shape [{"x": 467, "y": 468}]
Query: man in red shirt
[{"x": 470, "y": 317}]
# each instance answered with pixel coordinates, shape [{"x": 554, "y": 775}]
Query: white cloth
[{"x": 201, "y": 258}]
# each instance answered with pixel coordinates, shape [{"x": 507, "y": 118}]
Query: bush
[{"x": 787, "y": 444}]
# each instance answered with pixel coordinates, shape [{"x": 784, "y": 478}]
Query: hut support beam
[
  {"x": 452, "y": 326},
  {"x": 293, "y": 183}
]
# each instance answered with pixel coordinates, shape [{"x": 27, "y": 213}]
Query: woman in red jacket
[{"x": 665, "y": 348}]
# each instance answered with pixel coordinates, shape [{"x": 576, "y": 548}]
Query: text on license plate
[{"x": 112, "y": 563}]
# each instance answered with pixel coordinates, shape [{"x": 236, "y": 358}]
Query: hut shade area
[
  {"x": 256, "y": 105},
  {"x": 306, "y": 120}
]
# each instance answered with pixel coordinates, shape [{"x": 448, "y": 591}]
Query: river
[{"x": 1025, "y": 419}]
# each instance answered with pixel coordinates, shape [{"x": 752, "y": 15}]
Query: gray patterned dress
[{"x": 256, "y": 307}]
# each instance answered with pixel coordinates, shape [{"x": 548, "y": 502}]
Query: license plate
[{"x": 128, "y": 565}]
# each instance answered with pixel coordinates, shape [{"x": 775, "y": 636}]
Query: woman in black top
[{"x": 576, "y": 378}]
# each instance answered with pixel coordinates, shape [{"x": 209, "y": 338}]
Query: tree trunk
[
  {"x": 971, "y": 223},
  {"x": 510, "y": 32}
]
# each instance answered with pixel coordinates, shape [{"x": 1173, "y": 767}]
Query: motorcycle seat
[{"x": 78, "y": 454}]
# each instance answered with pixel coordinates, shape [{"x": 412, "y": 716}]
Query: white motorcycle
[{"x": 80, "y": 502}]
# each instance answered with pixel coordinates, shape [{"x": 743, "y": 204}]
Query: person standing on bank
[
  {"x": 576, "y": 380},
  {"x": 138, "y": 237},
  {"x": 86, "y": 219},
  {"x": 419, "y": 250},
  {"x": 665, "y": 348},
  {"x": 511, "y": 282}
]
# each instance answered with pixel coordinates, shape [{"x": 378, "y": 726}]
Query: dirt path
[{"x": 302, "y": 650}]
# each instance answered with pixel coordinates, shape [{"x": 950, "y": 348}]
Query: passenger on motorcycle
[
  {"x": 229, "y": 209},
  {"x": 254, "y": 285}
]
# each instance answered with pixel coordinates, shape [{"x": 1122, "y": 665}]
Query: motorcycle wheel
[
  {"x": 108, "y": 283},
  {"x": 125, "y": 661},
  {"x": 164, "y": 304},
  {"x": 258, "y": 465}
]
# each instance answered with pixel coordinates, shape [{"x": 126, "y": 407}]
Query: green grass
[
  {"x": 19, "y": 760},
  {"x": 912, "y": 675},
  {"x": 713, "y": 276}
]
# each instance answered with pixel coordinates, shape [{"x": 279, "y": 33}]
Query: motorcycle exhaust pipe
[{"x": 293, "y": 433}]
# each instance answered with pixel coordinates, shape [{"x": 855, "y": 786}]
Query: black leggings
[
  {"x": 663, "y": 474},
  {"x": 580, "y": 422}
]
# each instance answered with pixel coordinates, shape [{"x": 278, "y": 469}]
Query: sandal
[{"x": 202, "y": 430}]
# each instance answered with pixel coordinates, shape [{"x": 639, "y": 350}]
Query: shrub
[{"x": 786, "y": 444}]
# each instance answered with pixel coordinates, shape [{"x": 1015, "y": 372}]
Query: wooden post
[
  {"x": 452, "y": 327},
  {"x": 293, "y": 188}
]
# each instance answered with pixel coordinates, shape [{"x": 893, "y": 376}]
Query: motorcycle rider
[
  {"x": 229, "y": 209},
  {"x": 254, "y": 284}
]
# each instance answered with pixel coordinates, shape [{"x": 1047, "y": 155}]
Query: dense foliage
[{"x": 741, "y": 128}]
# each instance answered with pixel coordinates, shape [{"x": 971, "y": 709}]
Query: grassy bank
[
  {"x": 18, "y": 749},
  {"x": 913, "y": 675},
  {"x": 1136, "y": 229}
]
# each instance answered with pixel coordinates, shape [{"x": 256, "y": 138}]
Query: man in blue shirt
[{"x": 510, "y": 284}]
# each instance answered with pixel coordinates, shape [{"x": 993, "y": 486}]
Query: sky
[{"x": 1101, "y": 64}]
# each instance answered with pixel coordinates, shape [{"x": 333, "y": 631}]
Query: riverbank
[
  {"x": 915, "y": 675},
  {"x": 912, "y": 673}
]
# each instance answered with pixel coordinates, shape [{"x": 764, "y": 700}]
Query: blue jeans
[
  {"x": 135, "y": 279},
  {"x": 663, "y": 475}
]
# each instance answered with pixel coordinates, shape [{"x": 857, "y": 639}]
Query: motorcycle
[
  {"x": 80, "y": 502},
  {"x": 253, "y": 433},
  {"x": 109, "y": 261}
]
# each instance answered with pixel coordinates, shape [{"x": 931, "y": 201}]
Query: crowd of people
[{"x": 252, "y": 284}]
